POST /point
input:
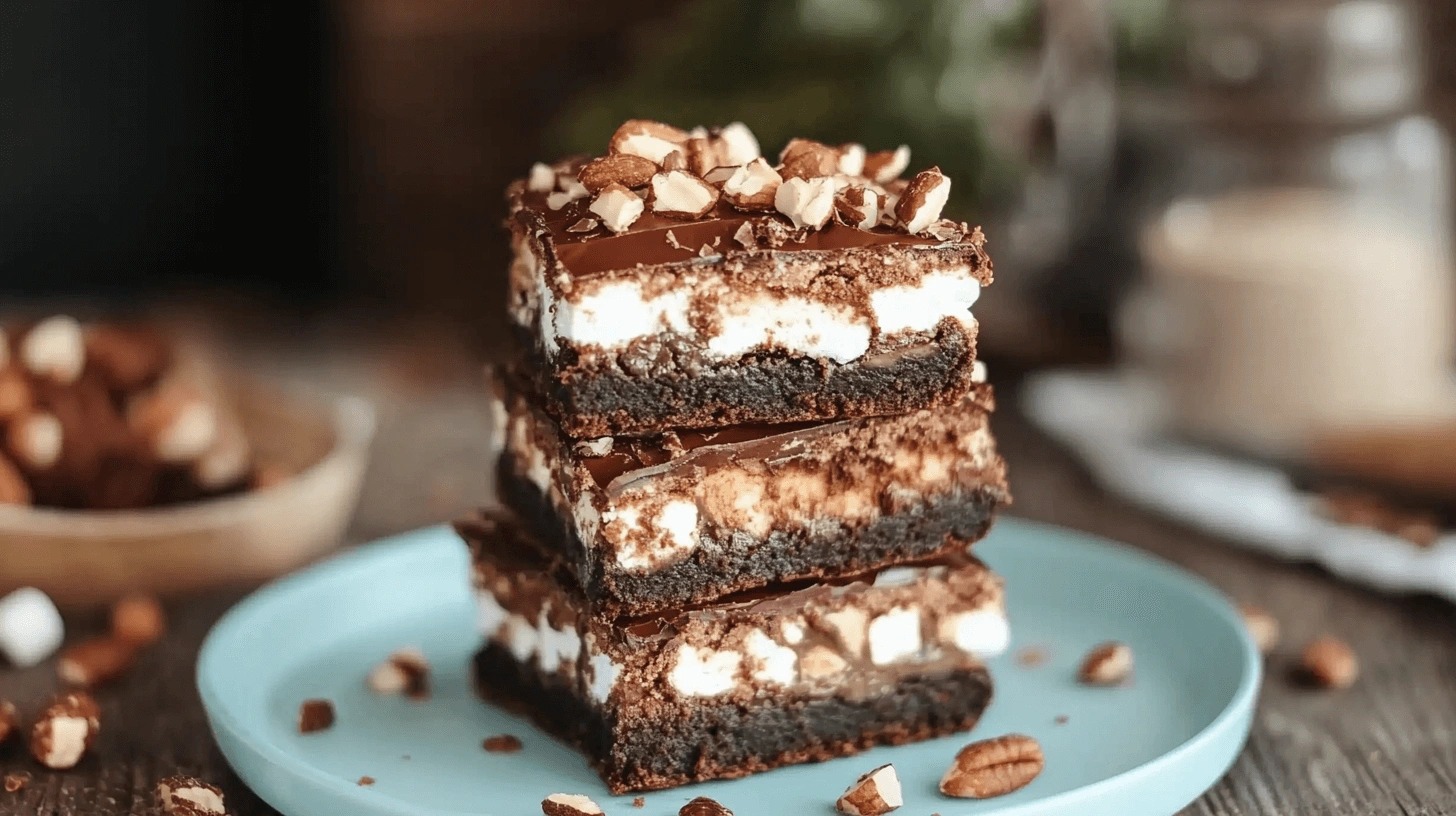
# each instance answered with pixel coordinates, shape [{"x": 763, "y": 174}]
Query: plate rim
[{"x": 1234, "y": 720}]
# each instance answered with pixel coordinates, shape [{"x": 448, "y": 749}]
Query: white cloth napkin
[{"x": 1115, "y": 423}]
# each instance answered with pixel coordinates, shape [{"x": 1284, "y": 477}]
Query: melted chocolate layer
[{"x": 647, "y": 242}]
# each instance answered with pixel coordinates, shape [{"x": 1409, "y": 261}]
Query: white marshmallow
[{"x": 30, "y": 627}]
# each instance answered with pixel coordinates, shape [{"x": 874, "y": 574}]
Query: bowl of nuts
[{"x": 128, "y": 463}]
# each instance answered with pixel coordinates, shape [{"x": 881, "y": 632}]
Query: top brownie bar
[{"x": 685, "y": 281}]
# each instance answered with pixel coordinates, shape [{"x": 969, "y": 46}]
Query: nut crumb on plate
[
  {"x": 366, "y": 781},
  {"x": 1262, "y": 626},
  {"x": 1329, "y": 662},
  {"x": 189, "y": 796},
  {"x": 569, "y": 804},
  {"x": 502, "y": 744},
  {"x": 315, "y": 715},
  {"x": 638, "y": 802},
  {"x": 1032, "y": 656},
  {"x": 993, "y": 767},
  {"x": 95, "y": 662},
  {"x": 406, "y": 672},
  {"x": 9, "y": 720},
  {"x": 65, "y": 730},
  {"x": 16, "y": 781},
  {"x": 1108, "y": 664},
  {"x": 873, "y": 794},
  {"x": 138, "y": 619}
]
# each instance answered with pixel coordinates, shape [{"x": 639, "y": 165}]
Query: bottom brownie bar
[{"x": 792, "y": 673}]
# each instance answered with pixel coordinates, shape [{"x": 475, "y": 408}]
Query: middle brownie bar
[{"x": 689, "y": 516}]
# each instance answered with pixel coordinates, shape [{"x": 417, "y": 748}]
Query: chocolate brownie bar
[
  {"x": 652, "y": 295},
  {"x": 688, "y": 516},
  {"x": 799, "y": 672}
]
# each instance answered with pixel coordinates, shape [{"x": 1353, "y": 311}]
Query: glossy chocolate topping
[{"x": 646, "y": 241}]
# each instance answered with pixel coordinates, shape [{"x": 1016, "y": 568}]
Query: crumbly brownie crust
[
  {"x": 658, "y": 384},
  {"x": 731, "y": 741}
]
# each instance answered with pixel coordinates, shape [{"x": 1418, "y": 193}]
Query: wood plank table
[{"x": 1386, "y": 746}]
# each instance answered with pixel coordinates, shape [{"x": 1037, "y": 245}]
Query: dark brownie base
[
  {"x": 729, "y": 741},
  {"x": 653, "y": 388},
  {"x": 739, "y": 562}
]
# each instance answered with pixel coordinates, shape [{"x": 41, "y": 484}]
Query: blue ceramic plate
[{"x": 1146, "y": 748}]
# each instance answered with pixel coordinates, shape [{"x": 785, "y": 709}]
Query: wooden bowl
[{"x": 92, "y": 557}]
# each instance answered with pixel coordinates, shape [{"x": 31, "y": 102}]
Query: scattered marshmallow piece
[
  {"x": 55, "y": 348},
  {"x": 30, "y": 627}
]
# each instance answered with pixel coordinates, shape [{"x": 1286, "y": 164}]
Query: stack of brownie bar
[{"x": 745, "y": 453}]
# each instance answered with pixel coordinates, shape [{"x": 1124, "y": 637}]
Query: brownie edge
[
  {"x": 772, "y": 387},
  {"x": 727, "y": 741}
]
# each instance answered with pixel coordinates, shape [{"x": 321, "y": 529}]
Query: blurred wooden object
[
  {"x": 1418, "y": 461},
  {"x": 94, "y": 557},
  {"x": 443, "y": 102}
]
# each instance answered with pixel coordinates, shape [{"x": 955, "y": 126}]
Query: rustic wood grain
[{"x": 1386, "y": 746}]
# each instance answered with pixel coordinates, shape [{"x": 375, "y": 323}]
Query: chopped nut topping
[
  {"x": 719, "y": 176},
  {"x": 753, "y": 186},
  {"x": 677, "y": 194},
  {"x": 885, "y": 166},
  {"x": 736, "y": 144},
  {"x": 857, "y": 207},
  {"x": 620, "y": 168},
  {"x": 852, "y": 159},
  {"x": 648, "y": 139},
  {"x": 807, "y": 202},
  {"x": 920, "y": 205},
  {"x": 808, "y": 159},
  {"x": 618, "y": 207}
]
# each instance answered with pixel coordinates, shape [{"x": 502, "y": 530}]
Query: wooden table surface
[{"x": 1388, "y": 745}]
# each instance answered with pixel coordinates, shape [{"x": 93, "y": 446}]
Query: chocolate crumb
[
  {"x": 1061, "y": 719},
  {"x": 502, "y": 744},
  {"x": 366, "y": 781},
  {"x": 1032, "y": 656},
  {"x": 639, "y": 802},
  {"x": 15, "y": 782},
  {"x": 315, "y": 715}
]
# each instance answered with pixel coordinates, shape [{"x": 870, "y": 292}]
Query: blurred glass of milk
[{"x": 1275, "y": 315}]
